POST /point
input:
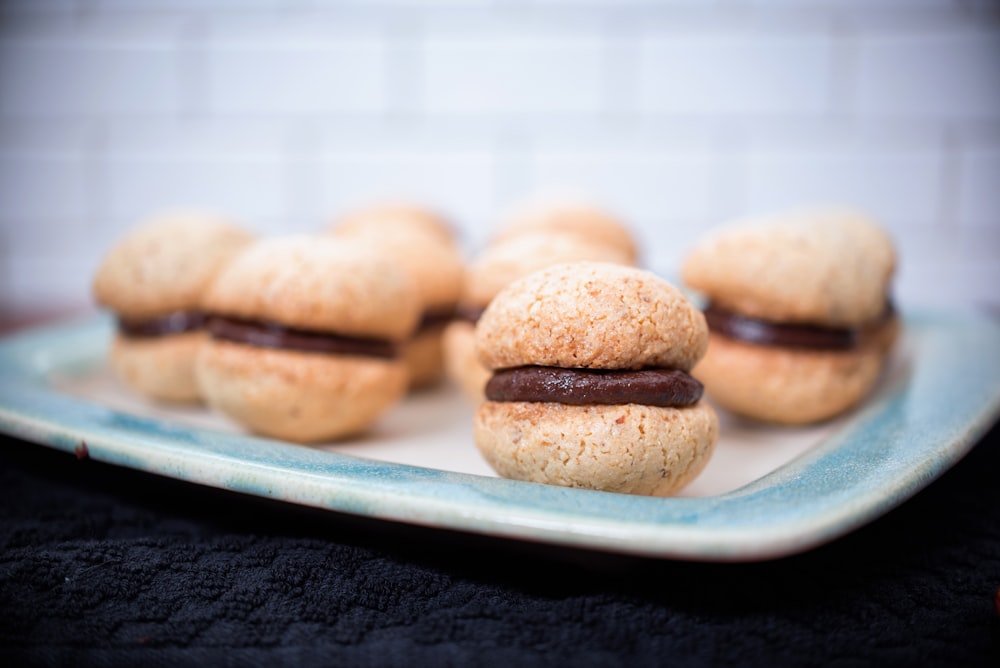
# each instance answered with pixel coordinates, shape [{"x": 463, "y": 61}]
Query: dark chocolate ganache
[
  {"x": 432, "y": 318},
  {"x": 177, "y": 322},
  {"x": 468, "y": 313},
  {"x": 267, "y": 334},
  {"x": 767, "y": 333},
  {"x": 650, "y": 387}
]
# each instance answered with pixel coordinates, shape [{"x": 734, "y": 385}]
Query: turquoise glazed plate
[{"x": 419, "y": 466}]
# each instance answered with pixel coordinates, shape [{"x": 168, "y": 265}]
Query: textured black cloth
[{"x": 107, "y": 566}]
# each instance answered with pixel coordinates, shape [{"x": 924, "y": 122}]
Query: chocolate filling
[
  {"x": 767, "y": 333},
  {"x": 435, "y": 318},
  {"x": 177, "y": 322},
  {"x": 469, "y": 313},
  {"x": 267, "y": 334},
  {"x": 650, "y": 387}
]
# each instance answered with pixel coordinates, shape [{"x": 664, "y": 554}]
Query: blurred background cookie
[
  {"x": 496, "y": 267},
  {"x": 387, "y": 219},
  {"x": 154, "y": 280},
  {"x": 590, "y": 385},
  {"x": 421, "y": 243},
  {"x": 577, "y": 218},
  {"x": 799, "y": 310},
  {"x": 306, "y": 335}
]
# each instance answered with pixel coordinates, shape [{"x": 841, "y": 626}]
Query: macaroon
[
  {"x": 497, "y": 266},
  {"x": 799, "y": 311},
  {"x": 577, "y": 218},
  {"x": 590, "y": 384},
  {"x": 305, "y": 338},
  {"x": 154, "y": 280}
]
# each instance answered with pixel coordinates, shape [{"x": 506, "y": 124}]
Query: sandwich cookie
[
  {"x": 153, "y": 280},
  {"x": 436, "y": 269},
  {"x": 496, "y": 267},
  {"x": 799, "y": 312},
  {"x": 305, "y": 337},
  {"x": 590, "y": 384}
]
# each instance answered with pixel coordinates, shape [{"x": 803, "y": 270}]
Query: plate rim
[{"x": 679, "y": 528}]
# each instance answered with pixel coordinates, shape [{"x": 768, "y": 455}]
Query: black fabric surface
[{"x": 107, "y": 566}]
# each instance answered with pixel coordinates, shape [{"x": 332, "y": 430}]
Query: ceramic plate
[{"x": 768, "y": 492}]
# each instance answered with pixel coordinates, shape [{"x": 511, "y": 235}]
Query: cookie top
[
  {"x": 825, "y": 266},
  {"x": 571, "y": 217},
  {"x": 436, "y": 267},
  {"x": 166, "y": 263},
  {"x": 593, "y": 315},
  {"x": 318, "y": 284},
  {"x": 509, "y": 259},
  {"x": 384, "y": 220}
]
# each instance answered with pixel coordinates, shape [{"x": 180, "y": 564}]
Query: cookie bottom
[
  {"x": 160, "y": 367},
  {"x": 785, "y": 385},
  {"x": 425, "y": 358},
  {"x": 460, "y": 361},
  {"x": 631, "y": 449},
  {"x": 298, "y": 396}
]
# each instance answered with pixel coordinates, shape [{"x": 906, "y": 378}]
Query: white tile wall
[
  {"x": 249, "y": 188},
  {"x": 900, "y": 186},
  {"x": 286, "y": 79},
  {"x": 60, "y": 80},
  {"x": 459, "y": 183},
  {"x": 653, "y": 190},
  {"x": 675, "y": 115},
  {"x": 513, "y": 74},
  {"x": 735, "y": 72},
  {"x": 42, "y": 187},
  {"x": 951, "y": 74},
  {"x": 979, "y": 190}
]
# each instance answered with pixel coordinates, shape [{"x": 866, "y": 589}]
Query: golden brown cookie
[
  {"x": 784, "y": 385},
  {"x": 153, "y": 280},
  {"x": 575, "y": 218},
  {"x": 306, "y": 337},
  {"x": 590, "y": 386},
  {"x": 799, "y": 311},
  {"x": 298, "y": 396},
  {"x": 318, "y": 284},
  {"x": 825, "y": 266},
  {"x": 594, "y": 315},
  {"x": 631, "y": 449},
  {"x": 160, "y": 367}
]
